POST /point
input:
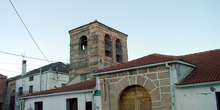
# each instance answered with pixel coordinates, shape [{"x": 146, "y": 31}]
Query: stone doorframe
[{"x": 130, "y": 80}]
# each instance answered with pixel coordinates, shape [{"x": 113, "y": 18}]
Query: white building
[
  {"x": 79, "y": 96},
  {"x": 44, "y": 78}
]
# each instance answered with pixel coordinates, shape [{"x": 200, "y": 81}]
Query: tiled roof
[
  {"x": 207, "y": 70},
  {"x": 89, "y": 84},
  {"x": 58, "y": 66},
  {"x": 93, "y": 23},
  {"x": 208, "y": 67},
  {"x": 146, "y": 60}
]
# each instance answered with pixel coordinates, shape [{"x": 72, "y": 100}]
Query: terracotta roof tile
[
  {"x": 208, "y": 67},
  {"x": 89, "y": 84},
  {"x": 207, "y": 70},
  {"x": 150, "y": 59}
]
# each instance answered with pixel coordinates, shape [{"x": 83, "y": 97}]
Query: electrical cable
[
  {"x": 9, "y": 70},
  {"x": 25, "y": 56},
  {"x": 28, "y": 31}
]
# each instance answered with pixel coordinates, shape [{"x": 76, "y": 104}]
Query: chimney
[{"x": 23, "y": 67}]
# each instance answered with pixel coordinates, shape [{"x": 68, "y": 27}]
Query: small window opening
[
  {"x": 83, "y": 43},
  {"x": 30, "y": 89},
  {"x": 38, "y": 105},
  {"x": 108, "y": 46},
  {"x": 63, "y": 84},
  {"x": 119, "y": 51},
  {"x": 88, "y": 105},
  {"x": 71, "y": 104},
  {"x": 20, "y": 91},
  {"x": 31, "y": 78}
]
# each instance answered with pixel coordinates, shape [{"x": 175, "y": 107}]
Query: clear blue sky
[{"x": 172, "y": 27}]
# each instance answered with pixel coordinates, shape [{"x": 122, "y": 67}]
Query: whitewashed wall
[
  {"x": 58, "y": 102},
  {"x": 196, "y": 98},
  {"x": 48, "y": 81}
]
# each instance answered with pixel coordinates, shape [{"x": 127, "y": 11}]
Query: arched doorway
[{"x": 135, "y": 98}]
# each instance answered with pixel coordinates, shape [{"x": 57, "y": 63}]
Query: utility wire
[
  {"x": 25, "y": 56},
  {"x": 10, "y": 71},
  {"x": 28, "y": 31},
  {"x": 16, "y": 64}
]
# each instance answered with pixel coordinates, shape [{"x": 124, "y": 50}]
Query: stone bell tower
[{"x": 94, "y": 46}]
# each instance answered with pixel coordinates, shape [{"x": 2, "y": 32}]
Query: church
[{"x": 102, "y": 78}]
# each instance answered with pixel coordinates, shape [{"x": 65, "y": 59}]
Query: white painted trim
[
  {"x": 59, "y": 93},
  {"x": 197, "y": 84},
  {"x": 150, "y": 65}
]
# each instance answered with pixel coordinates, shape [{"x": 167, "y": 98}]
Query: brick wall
[{"x": 2, "y": 87}]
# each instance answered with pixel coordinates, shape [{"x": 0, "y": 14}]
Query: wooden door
[{"x": 135, "y": 98}]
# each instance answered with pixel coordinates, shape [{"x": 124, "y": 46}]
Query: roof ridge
[
  {"x": 203, "y": 52},
  {"x": 164, "y": 55}
]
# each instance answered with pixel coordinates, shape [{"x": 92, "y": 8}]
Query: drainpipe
[
  {"x": 19, "y": 101},
  {"x": 93, "y": 100},
  {"x": 46, "y": 81},
  {"x": 171, "y": 86},
  {"x": 40, "y": 77},
  {"x": 109, "y": 93}
]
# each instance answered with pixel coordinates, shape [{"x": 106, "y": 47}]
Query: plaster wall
[
  {"x": 48, "y": 80},
  {"x": 196, "y": 98},
  {"x": 58, "y": 102}
]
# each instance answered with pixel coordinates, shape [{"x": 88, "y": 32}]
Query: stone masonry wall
[
  {"x": 93, "y": 57},
  {"x": 156, "y": 80}
]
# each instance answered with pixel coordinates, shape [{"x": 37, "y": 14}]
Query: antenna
[{"x": 23, "y": 56}]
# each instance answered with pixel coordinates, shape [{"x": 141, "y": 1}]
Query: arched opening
[
  {"x": 83, "y": 43},
  {"x": 119, "y": 51},
  {"x": 108, "y": 47},
  {"x": 135, "y": 98}
]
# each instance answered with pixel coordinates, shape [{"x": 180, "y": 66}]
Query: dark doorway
[
  {"x": 38, "y": 105},
  {"x": 218, "y": 100},
  {"x": 88, "y": 105},
  {"x": 71, "y": 104}
]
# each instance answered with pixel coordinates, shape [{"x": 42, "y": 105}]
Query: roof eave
[
  {"x": 197, "y": 84},
  {"x": 57, "y": 93},
  {"x": 148, "y": 65}
]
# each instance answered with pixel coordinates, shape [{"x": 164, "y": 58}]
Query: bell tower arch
[{"x": 95, "y": 46}]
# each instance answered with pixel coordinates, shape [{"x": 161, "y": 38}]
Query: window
[
  {"x": 217, "y": 94},
  {"x": 83, "y": 43},
  {"x": 20, "y": 90},
  {"x": 71, "y": 104},
  {"x": 118, "y": 51},
  {"x": 88, "y": 105},
  {"x": 108, "y": 46},
  {"x": 31, "y": 78},
  {"x": 38, "y": 106},
  {"x": 30, "y": 89},
  {"x": 63, "y": 84}
]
